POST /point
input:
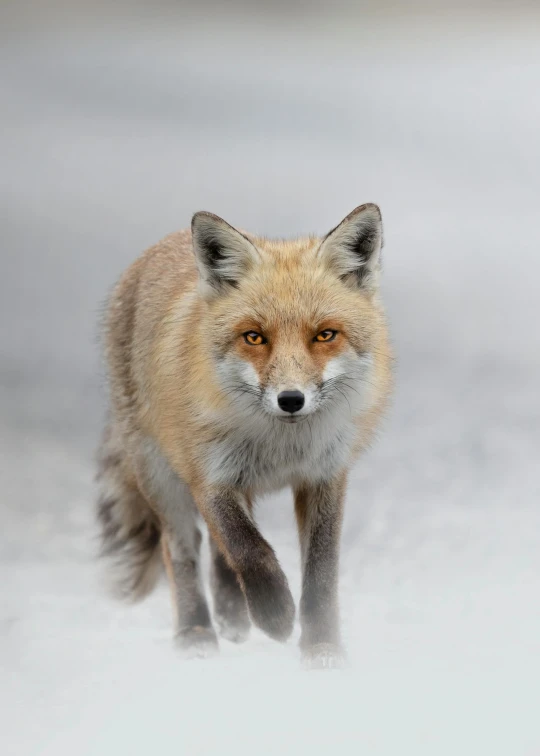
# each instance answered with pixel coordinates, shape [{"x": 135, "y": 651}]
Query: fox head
[{"x": 295, "y": 327}]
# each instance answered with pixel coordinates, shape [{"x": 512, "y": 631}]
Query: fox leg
[
  {"x": 181, "y": 544},
  {"x": 194, "y": 633},
  {"x": 319, "y": 513},
  {"x": 251, "y": 558},
  {"x": 230, "y": 608}
]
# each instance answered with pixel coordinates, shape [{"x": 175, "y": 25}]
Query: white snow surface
[{"x": 118, "y": 127}]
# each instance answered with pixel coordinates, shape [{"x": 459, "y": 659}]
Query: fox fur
[{"x": 239, "y": 365}]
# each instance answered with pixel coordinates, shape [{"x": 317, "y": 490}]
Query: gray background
[{"x": 118, "y": 122}]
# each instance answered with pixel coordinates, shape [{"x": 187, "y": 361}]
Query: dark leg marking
[
  {"x": 230, "y": 607},
  {"x": 319, "y": 511},
  {"x": 195, "y": 635},
  {"x": 172, "y": 500},
  {"x": 251, "y": 557}
]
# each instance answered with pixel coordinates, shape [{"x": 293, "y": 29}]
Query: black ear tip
[
  {"x": 369, "y": 209},
  {"x": 203, "y": 216},
  {"x": 375, "y": 209},
  {"x": 197, "y": 217}
]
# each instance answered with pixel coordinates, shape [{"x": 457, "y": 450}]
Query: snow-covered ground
[{"x": 115, "y": 129}]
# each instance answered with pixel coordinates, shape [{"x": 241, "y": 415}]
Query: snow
[{"x": 115, "y": 132}]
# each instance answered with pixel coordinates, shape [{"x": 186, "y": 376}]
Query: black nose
[{"x": 291, "y": 401}]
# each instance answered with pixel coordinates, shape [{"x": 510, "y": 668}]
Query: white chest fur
[{"x": 267, "y": 456}]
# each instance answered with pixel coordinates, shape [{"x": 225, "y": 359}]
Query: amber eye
[
  {"x": 327, "y": 335},
  {"x": 254, "y": 338}
]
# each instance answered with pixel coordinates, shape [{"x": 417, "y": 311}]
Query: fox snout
[{"x": 291, "y": 401}]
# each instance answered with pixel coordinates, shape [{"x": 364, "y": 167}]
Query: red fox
[{"x": 239, "y": 365}]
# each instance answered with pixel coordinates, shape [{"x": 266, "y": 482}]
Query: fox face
[{"x": 293, "y": 326}]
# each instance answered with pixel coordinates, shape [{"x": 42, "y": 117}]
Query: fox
[{"x": 240, "y": 365}]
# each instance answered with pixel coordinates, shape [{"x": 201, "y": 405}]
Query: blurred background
[{"x": 119, "y": 120}]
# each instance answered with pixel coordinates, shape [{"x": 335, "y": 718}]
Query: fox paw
[
  {"x": 270, "y": 603},
  {"x": 234, "y": 629},
  {"x": 197, "y": 642},
  {"x": 231, "y": 613},
  {"x": 323, "y": 656}
]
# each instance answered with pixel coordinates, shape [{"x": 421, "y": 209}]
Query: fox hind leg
[
  {"x": 181, "y": 544},
  {"x": 230, "y": 606},
  {"x": 195, "y": 635}
]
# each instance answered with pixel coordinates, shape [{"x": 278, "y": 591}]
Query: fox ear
[
  {"x": 223, "y": 254},
  {"x": 353, "y": 248}
]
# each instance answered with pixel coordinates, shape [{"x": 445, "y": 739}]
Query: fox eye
[
  {"x": 254, "y": 338},
  {"x": 328, "y": 335}
]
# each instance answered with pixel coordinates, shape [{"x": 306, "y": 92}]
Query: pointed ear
[
  {"x": 222, "y": 253},
  {"x": 353, "y": 249}
]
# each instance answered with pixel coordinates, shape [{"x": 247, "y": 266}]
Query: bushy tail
[{"x": 130, "y": 532}]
